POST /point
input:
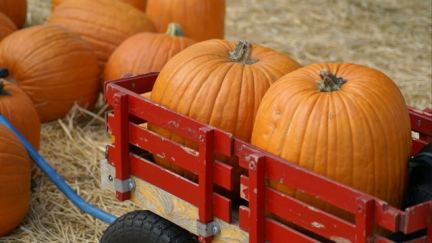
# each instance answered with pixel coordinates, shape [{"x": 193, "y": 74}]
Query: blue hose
[{"x": 58, "y": 180}]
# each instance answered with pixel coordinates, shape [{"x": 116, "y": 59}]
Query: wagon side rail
[
  {"x": 368, "y": 211},
  {"x": 130, "y": 110}
]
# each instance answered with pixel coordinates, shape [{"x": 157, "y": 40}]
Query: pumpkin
[
  {"x": 200, "y": 19},
  {"x": 103, "y": 23},
  {"x": 14, "y": 181},
  {"x": 6, "y": 26},
  {"x": 16, "y": 10},
  {"x": 146, "y": 52},
  {"x": 17, "y": 107},
  {"x": 220, "y": 83},
  {"x": 344, "y": 121},
  {"x": 53, "y": 66},
  {"x": 139, "y": 4}
]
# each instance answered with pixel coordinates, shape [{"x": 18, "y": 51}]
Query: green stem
[
  {"x": 242, "y": 53},
  {"x": 174, "y": 29},
  {"x": 330, "y": 82}
]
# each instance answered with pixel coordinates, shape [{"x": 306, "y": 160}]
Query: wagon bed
[{"x": 197, "y": 208}]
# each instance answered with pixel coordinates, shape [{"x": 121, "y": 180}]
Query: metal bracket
[
  {"x": 209, "y": 229},
  {"x": 124, "y": 186}
]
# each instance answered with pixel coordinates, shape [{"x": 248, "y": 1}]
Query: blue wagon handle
[{"x": 58, "y": 180}]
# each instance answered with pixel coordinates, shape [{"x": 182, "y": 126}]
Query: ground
[{"x": 390, "y": 35}]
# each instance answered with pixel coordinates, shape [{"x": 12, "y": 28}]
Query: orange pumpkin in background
[
  {"x": 146, "y": 52},
  {"x": 15, "y": 170},
  {"x": 139, "y": 4},
  {"x": 103, "y": 23},
  {"x": 344, "y": 121},
  {"x": 16, "y": 10},
  {"x": 6, "y": 26},
  {"x": 200, "y": 19},
  {"x": 17, "y": 108},
  {"x": 220, "y": 83},
  {"x": 53, "y": 66}
]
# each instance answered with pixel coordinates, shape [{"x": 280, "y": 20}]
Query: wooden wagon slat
[{"x": 174, "y": 153}]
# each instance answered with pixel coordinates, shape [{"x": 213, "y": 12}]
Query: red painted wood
[
  {"x": 364, "y": 220},
  {"x": 279, "y": 233},
  {"x": 256, "y": 198},
  {"x": 417, "y": 145},
  {"x": 411, "y": 222},
  {"x": 275, "y": 232},
  {"x": 244, "y": 218},
  {"x": 421, "y": 122},
  {"x": 177, "y": 185},
  {"x": 308, "y": 217},
  {"x": 122, "y": 165},
  {"x": 275, "y": 168},
  {"x": 296, "y": 177},
  {"x": 138, "y": 84},
  {"x": 175, "y": 153},
  {"x": 205, "y": 186}
]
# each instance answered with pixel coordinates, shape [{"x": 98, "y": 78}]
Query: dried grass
[{"x": 393, "y": 36}]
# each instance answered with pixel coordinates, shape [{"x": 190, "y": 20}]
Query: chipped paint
[
  {"x": 190, "y": 151},
  {"x": 312, "y": 209},
  {"x": 162, "y": 156},
  {"x": 338, "y": 239},
  {"x": 317, "y": 225}
]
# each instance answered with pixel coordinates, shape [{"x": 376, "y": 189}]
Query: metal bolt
[
  {"x": 131, "y": 185},
  {"x": 215, "y": 229},
  {"x": 252, "y": 165}
]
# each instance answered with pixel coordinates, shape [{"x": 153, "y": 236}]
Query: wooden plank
[{"x": 148, "y": 197}]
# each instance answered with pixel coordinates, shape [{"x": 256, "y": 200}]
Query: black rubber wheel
[{"x": 145, "y": 227}]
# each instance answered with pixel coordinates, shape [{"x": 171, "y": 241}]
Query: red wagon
[{"x": 197, "y": 208}]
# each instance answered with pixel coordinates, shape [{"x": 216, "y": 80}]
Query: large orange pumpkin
[
  {"x": 17, "y": 107},
  {"x": 16, "y": 10},
  {"x": 139, "y": 4},
  {"x": 103, "y": 23},
  {"x": 6, "y": 26},
  {"x": 220, "y": 83},
  {"x": 344, "y": 121},
  {"x": 53, "y": 66},
  {"x": 14, "y": 181},
  {"x": 146, "y": 52},
  {"x": 200, "y": 19}
]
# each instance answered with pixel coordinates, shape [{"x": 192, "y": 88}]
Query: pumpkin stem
[
  {"x": 4, "y": 73},
  {"x": 242, "y": 53},
  {"x": 2, "y": 91},
  {"x": 174, "y": 29},
  {"x": 329, "y": 82}
]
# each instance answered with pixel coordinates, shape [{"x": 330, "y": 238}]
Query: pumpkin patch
[
  {"x": 146, "y": 52},
  {"x": 102, "y": 23},
  {"x": 344, "y": 121},
  {"x": 53, "y": 66},
  {"x": 14, "y": 181}
]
